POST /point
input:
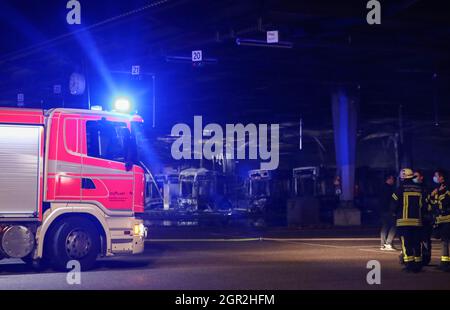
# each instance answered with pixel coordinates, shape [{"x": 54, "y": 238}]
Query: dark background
[{"x": 401, "y": 67}]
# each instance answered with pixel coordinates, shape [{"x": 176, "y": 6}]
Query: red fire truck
[{"x": 70, "y": 186}]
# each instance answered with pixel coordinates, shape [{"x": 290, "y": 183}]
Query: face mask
[{"x": 436, "y": 179}]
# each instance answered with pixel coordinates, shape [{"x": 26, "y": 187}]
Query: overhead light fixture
[
  {"x": 263, "y": 43},
  {"x": 185, "y": 59}
]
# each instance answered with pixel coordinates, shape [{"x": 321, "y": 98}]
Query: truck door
[
  {"x": 64, "y": 159},
  {"x": 106, "y": 179}
]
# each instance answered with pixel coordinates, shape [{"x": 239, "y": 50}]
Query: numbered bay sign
[
  {"x": 272, "y": 36},
  {"x": 135, "y": 70},
  {"x": 57, "y": 89},
  {"x": 20, "y": 100},
  {"x": 197, "y": 56}
]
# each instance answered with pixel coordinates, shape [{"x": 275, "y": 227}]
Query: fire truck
[{"x": 71, "y": 187}]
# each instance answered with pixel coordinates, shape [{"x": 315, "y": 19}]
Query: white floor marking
[
  {"x": 259, "y": 239},
  {"x": 379, "y": 251},
  {"x": 205, "y": 240}
]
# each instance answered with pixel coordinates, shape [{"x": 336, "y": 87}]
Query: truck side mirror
[
  {"x": 130, "y": 149},
  {"x": 128, "y": 165}
]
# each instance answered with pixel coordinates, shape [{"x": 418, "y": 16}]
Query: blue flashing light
[{"x": 122, "y": 104}]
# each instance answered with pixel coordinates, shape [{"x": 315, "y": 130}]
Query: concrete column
[{"x": 344, "y": 107}]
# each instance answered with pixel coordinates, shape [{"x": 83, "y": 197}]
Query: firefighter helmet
[{"x": 406, "y": 173}]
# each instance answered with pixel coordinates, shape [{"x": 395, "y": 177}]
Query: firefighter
[
  {"x": 408, "y": 200},
  {"x": 427, "y": 219},
  {"x": 440, "y": 200}
]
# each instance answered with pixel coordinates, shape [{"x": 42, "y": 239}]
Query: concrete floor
[{"x": 218, "y": 264}]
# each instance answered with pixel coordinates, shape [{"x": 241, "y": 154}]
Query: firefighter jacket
[
  {"x": 408, "y": 201},
  {"x": 440, "y": 201},
  {"x": 428, "y": 216}
]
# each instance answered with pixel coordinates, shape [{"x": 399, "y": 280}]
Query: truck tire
[{"x": 75, "y": 238}]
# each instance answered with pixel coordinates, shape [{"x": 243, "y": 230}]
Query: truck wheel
[{"x": 77, "y": 239}]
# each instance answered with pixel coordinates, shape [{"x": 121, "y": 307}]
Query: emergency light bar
[{"x": 122, "y": 104}]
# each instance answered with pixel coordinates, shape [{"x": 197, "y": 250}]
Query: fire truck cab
[{"x": 71, "y": 187}]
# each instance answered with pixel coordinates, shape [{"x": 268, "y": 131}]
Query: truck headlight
[{"x": 140, "y": 230}]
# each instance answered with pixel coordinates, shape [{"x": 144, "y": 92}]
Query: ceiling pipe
[
  {"x": 185, "y": 59},
  {"x": 262, "y": 43}
]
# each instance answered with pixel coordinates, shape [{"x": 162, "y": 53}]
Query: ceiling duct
[
  {"x": 186, "y": 59},
  {"x": 263, "y": 43}
]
